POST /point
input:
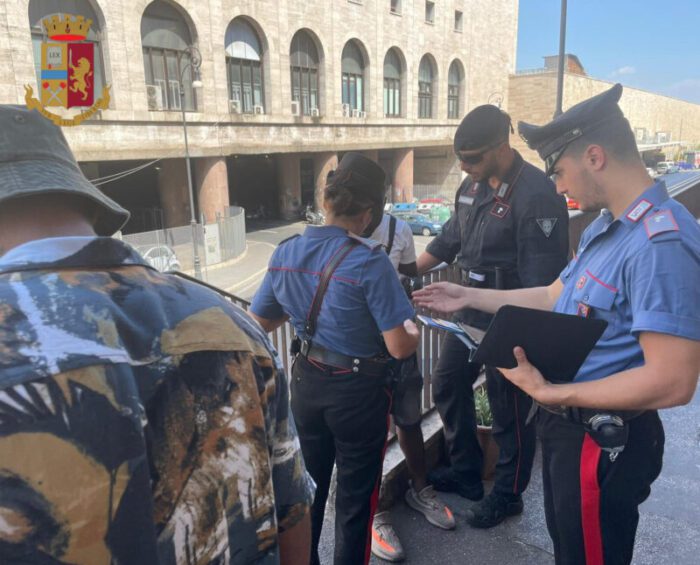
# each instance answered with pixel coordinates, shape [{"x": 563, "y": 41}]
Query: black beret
[
  {"x": 483, "y": 126},
  {"x": 550, "y": 140},
  {"x": 356, "y": 169}
]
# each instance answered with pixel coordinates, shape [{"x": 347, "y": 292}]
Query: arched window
[
  {"x": 392, "y": 84},
  {"x": 426, "y": 77},
  {"x": 42, "y": 9},
  {"x": 244, "y": 66},
  {"x": 304, "y": 66},
  {"x": 353, "y": 69},
  {"x": 454, "y": 81},
  {"x": 165, "y": 39}
]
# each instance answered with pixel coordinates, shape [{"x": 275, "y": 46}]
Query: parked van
[{"x": 666, "y": 167}]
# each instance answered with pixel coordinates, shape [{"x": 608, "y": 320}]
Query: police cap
[
  {"x": 360, "y": 169},
  {"x": 550, "y": 140},
  {"x": 483, "y": 126}
]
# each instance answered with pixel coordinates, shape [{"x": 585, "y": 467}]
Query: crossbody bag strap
[
  {"x": 392, "y": 233},
  {"x": 329, "y": 269}
]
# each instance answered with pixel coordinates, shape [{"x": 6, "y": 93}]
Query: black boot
[
  {"x": 445, "y": 479},
  {"x": 493, "y": 509}
]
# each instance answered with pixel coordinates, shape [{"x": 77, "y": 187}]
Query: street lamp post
[
  {"x": 194, "y": 64},
  {"x": 562, "y": 56}
]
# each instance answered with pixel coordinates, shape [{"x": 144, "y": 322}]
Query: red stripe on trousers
[
  {"x": 374, "y": 500},
  {"x": 590, "y": 502}
]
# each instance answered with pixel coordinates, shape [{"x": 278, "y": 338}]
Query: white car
[{"x": 160, "y": 257}]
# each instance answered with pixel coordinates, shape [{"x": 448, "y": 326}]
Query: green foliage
[{"x": 483, "y": 408}]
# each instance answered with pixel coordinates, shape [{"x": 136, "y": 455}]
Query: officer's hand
[
  {"x": 442, "y": 297},
  {"x": 527, "y": 377}
]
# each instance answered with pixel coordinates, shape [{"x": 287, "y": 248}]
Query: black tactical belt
[
  {"x": 372, "y": 367},
  {"x": 586, "y": 416}
]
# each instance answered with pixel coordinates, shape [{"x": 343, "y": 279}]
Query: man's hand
[
  {"x": 529, "y": 379},
  {"x": 442, "y": 297}
]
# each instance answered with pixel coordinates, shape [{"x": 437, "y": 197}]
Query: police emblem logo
[
  {"x": 67, "y": 78},
  {"x": 581, "y": 282},
  {"x": 547, "y": 225},
  {"x": 500, "y": 209}
]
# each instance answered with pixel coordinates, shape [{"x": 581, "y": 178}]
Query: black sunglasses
[{"x": 476, "y": 158}]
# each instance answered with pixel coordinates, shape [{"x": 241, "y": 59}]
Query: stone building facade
[{"x": 322, "y": 83}]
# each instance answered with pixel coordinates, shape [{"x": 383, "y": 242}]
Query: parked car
[
  {"x": 160, "y": 257},
  {"x": 652, "y": 173},
  {"x": 421, "y": 224},
  {"x": 666, "y": 168}
]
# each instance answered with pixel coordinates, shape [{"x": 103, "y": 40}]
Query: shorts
[{"x": 406, "y": 399}]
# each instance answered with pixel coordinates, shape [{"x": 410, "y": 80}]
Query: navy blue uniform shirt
[
  {"x": 640, "y": 273},
  {"x": 363, "y": 299},
  {"x": 521, "y": 227}
]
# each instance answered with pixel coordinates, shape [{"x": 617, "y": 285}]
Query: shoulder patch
[
  {"x": 639, "y": 210},
  {"x": 286, "y": 239},
  {"x": 661, "y": 222},
  {"x": 547, "y": 225},
  {"x": 366, "y": 242}
]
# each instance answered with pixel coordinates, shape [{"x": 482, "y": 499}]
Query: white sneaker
[
  {"x": 385, "y": 542},
  {"x": 428, "y": 504}
]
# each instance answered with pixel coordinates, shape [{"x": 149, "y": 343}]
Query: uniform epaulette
[
  {"x": 660, "y": 222},
  {"x": 366, "y": 242},
  {"x": 286, "y": 239}
]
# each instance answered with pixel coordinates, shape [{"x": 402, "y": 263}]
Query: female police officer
[{"x": 348, "y": 309}]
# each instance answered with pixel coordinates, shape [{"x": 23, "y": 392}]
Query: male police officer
[
  {"x": 637, "y": 268},
  {"x": 509, "y": 230}
]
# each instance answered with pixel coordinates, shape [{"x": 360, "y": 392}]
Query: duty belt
[
  {"x": 374, "y": 367},
  {"x": 608, "y": 428},
  {"x": 488, "y": 277}
]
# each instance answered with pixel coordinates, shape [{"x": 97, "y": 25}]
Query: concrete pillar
[
  {"x": 403, "y": 175},
  {"x": 173, "y": 192},
  {"x": 211, "y": 177},
  {"x": 323, "y": 164},
  {"x": 289, "y": 182}
]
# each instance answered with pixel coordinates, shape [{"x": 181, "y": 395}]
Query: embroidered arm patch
[{"x": 547, "y": 225}]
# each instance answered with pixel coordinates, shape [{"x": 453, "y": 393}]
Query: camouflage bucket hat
[{"x": 36, "y": 159}]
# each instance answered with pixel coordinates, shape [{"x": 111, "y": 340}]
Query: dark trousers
[
  {"x": 453, "y": 395},
  {"x": 342, "y": 417},
  {"x": 591, "y": 502}
]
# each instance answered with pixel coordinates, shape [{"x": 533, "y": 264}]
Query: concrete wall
[
  {"x": 128, "y": 130},
  {"x": 533, "y": 99}
]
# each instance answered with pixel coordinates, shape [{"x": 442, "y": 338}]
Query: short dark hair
[
  {"x": 615, "y": 136},
  {"x": 347, "y": 197}
]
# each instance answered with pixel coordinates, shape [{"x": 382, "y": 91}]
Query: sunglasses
[{"x": 476, "y": 158}]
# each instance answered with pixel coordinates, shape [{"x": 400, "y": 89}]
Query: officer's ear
[{"x": 595, "y": 157}]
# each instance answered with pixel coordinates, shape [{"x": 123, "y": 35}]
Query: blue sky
[{"x": 647, "y": 44}]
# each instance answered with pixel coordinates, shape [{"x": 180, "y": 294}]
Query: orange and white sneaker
[
  {"x": 385, "y": 542},
  {"x": 428, "y": 504}
]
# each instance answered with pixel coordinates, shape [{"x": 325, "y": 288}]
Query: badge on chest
[{"x": 500, "y": 210}]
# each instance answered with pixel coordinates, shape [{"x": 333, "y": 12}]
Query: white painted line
[
  {"x": 271, "y": 245},
  {"x": 266, "y": 231}
]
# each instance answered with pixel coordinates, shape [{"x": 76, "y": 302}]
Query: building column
[
  {"x": 323, "y": 164},
  {"x": 289, "y": 182},
  {"x": 403, "y": 175},
  {"x": 211, "y": 176},
  {"x": 173, "y": 192}
]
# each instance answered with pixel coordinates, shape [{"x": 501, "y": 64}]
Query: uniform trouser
[
  {"x": 342, "y": 417},
  {"x": 453, "y": 395},
  {"x": 591, "y": 503}
]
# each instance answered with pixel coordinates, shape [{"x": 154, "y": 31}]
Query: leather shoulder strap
[{"x": 329, "y": 269}]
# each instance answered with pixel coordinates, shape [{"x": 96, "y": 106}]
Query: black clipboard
[{"x": 557, "y": 344}]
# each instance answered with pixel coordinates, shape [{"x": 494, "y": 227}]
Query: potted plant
[{"x": 484, "y": 420}]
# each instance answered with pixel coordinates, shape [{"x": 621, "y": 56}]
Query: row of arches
[{"x": 167, "y": 33}]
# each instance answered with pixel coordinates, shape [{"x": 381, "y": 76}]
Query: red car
[{"x": 571, "y": 204}]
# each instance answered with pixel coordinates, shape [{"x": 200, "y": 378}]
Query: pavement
[{"x": 669, "y": 526}]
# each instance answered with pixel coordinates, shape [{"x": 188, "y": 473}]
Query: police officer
[
  {"x": 509, "y": 230},
  {"x": 348, "y": 309},
  {"x": 637, "y": 268}
]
